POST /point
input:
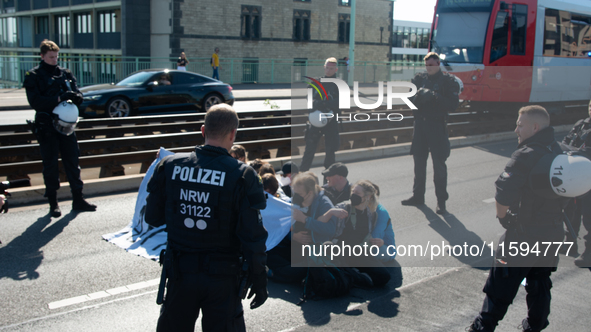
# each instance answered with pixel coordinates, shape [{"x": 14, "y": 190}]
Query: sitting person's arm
[{"x": 334, "y": 212}]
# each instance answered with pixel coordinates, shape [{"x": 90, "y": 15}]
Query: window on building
[
  {"x": 250, "y": 27},
  {"x": 346, "y": 3},
  {"x": 301, "y": 24},
  {"x": 518, "y": 29},
  {"x": 567, "y": 34},
  {"x": 62, "y": 30},
  {"x": 344, "y": 27},
  {"x": 42, "y": 25},
  {"x": 8, "y": 32},
  {"x": 83, "y": 23},
  {"x": 107, "y": 22}
]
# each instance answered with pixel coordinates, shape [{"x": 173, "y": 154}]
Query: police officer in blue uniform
[
  {"x": 47, "y": 85},
  {"x": 437, "y": 95},
  {"x": 324, "y": 103},
  {"x": 528, "y": 218},
  {"x": 210, "y": 203}
]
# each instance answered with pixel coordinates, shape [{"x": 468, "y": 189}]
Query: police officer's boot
[
  {"x": 80, "y": 204},
  {"x": 441, "y": 208},
  {"x": 525, "y": 327},
  {"x": 414, "y": 201},
  {"x": 54, "y": 209}
]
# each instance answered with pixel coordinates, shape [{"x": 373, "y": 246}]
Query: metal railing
[{"x": 90, "y": 70}]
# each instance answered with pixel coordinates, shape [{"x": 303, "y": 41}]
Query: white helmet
[
  {"x": 66, "y": 117},
  {"x": 563, "y": 175},
  {"x": 319, "y": 119}
]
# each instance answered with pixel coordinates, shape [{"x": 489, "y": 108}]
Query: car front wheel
[
  {"x": 118, "y": 108},
  {"x": 210, "y": 100}
]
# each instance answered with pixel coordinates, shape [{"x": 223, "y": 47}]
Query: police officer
[
  {"x": 579, "y": 138},
  {"x": 528, "y": 218},
  {"x": 210, "y": 204},
  {"x": 437, "y": 95},
  {"x": 325, "y": 104},
  {"x": 47, "y": 85}
]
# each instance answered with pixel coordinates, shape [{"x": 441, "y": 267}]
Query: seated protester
[
  {"x": 267, "y": 168},
  {"x": 271, "y": 186},
  {"x": 288, "y": 172},
  {"x": 257, "y": 164},
  {"x": 337, "y": 187},
  {"x": 383, "y": 236},
  {"x": 306, "y": 230},
  {"x": 238, "y": 152},
  {"x": 356, "y": 229}
]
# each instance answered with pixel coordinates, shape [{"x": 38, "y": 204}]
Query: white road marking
[
  {"x": 103, "y": 294},
  {"x": 490, "y": 200}
]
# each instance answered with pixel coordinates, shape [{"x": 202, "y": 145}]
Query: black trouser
[
  {"x": 190, "y": 289},
  {"x": 312, "y": 136},
  {"x": 502, "y": 286},
  {"x": 420, "y": 157},
  {"x": 51, "y": 145},
  {"x": 279, "y": 263},
  {"x": 581, "y": 210}
]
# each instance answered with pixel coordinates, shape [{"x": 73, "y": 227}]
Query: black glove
[
  {"x": 508, "y": 220},
  {"x": 69, "y": 95},
  {"x": 425, "y": 96},
  {"x": 258, "y": 288}
]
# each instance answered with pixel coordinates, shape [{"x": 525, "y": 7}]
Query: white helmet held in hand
[
  {"x": 564, "y": 175},
  {"x": 319, "y": 119},
  {"x": 66, "y": 117}
]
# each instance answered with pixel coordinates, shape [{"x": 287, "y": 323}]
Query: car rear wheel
[
  {"x": 118, "y": 108},
  {"x": 210, "y": 100}
]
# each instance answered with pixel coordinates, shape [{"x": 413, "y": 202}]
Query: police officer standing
[
  {"x": 437, "y": 95},
  {"x": 210, "y": 203},
  {"x": 579, "y": 138},
  {"x": 47, "y": 86},
  {"x": 326, "y": 104},
  {"x": 528, "y": 218}
]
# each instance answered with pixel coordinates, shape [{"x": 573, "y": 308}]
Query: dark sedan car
[{"x": 154, "y": 91}]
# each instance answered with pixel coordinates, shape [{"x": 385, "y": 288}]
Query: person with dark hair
[
  {"x": 437, "y": 95},
  {"x": 210, "y": 204},
  {"x": 528, "y": 218},
  {"x": 337, "y": 187},
  {"x": 579, "y": 138},
  {"x": 257, "y": 164},
  {"x": 49, "y": 86},
  {"x": 238, "y": 152},
  {"x": 288, "y": 171}
]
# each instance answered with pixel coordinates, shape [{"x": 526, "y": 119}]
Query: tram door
[{"x": 510, "y": 51}]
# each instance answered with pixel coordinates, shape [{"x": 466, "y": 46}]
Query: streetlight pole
[{"x": 352, "y": 45}]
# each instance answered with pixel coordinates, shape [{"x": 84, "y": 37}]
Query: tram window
[
  {"x": 566, "y": 34},
  {"x": 498, "y": 47},
  {"x": 518, "y": 29}
]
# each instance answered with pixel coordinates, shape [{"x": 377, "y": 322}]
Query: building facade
[{"x": 410, "y": 40}]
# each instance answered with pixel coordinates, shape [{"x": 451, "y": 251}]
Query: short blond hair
[
  {"x": 432, "y": 55},
  {"x": 331, "y": 59},
  {"x": 537, "y": 113},
  {"x": 308, "y": 181}
]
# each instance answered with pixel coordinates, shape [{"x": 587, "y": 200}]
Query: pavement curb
[{"x": 31, "y": 195}]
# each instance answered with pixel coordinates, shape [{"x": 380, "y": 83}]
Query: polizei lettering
[{"x": 199, "y": 175}]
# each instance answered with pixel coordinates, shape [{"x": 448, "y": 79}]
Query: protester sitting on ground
[
  {"x": 271, "y": 186},
  {"x": 238, "y": 152},
  {"x": 337, "y": 187},
  {"x": 356, "y": 229},
  {"x": 257, "y": 164},
  {"x": 383, "y": 237},
  {"x": 288, "y": 172},
  {"x": 309, "y": 203}
]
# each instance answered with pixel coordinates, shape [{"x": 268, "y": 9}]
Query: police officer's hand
[
  {"x": 258, "y": 289},
  {"x": 70, "y": 95},
  {"x": 508, "y": 220},
  {"x": 425, "y": 95}
]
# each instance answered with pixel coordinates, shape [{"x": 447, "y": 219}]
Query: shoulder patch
[{"x": 260, "y": 179}]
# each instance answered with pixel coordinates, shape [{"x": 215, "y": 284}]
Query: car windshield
[{"x": 136, "y": 79}]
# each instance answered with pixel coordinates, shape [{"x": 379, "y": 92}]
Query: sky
[{"x": 414, "y": 10}]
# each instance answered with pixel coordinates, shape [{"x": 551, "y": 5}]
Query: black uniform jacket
[
  {"x": 580, "y": 135},
  {"x": 436, "y": 96},
  {"x": 250, "y": 231},
  {"x": 45, "y": 83}
]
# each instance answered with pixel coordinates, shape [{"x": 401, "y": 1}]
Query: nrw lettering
[{"x": 194, "y": 196}]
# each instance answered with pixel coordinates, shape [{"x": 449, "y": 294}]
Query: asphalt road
[{"x": 59, "y": 275}]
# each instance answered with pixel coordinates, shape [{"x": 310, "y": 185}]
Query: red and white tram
[{"x": 516, "y": 51}]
